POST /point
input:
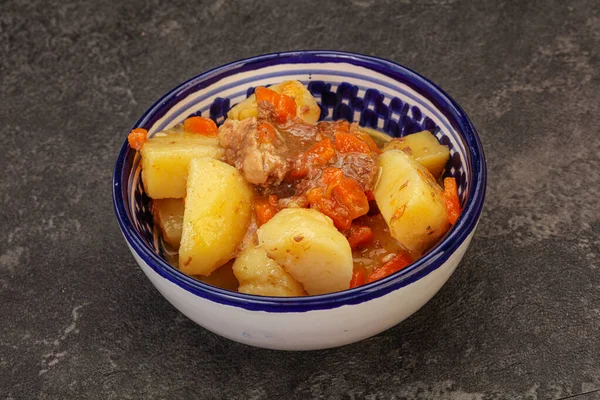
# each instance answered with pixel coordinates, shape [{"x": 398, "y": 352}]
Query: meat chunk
[
  {"x": 266, "y": 111},
  {"x": 327, "y": 129},
  {"x": 299, "y": 134},
  {"x": 260, "y": 163},
  {"x": 359, "y": 166}
]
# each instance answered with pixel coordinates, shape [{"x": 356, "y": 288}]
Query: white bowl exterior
[
  {"x": 315, "y": 329},
  {"x": 311, "y": 330}
]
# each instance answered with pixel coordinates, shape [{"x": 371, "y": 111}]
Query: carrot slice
[
  {"x": 358, "y": 278},
  {"x": 398, "y": 262},
  {"x": 350, "y": 194},
  {"x": 320, "y": 153},
  {"x": 314, "y": 195},
  {"x": 342, "y": 198},
  {"x": 273, "y": 200},
  {"x": 332, "y": 176},
  {"x": 284, "y": 106},
  {"x": 203, "y": 126},
  {"x": 137, "y": 137},
  {"x": 347, "y": 143},
  {"x": 359, "y": 236},
  {"x": 299, "y": 171},
  {"x": 265, "y": 94},
  {"x": 450, "y": 196},
  {"x": 265, "y": 208},
  {"x": 322, "y": 200}
]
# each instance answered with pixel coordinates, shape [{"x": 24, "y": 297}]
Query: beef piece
[
  {"x": 266, "y": 111},
  {"x": 260, "y": 163},
  {"x": 327, "y": 129},
  {"x": 359, "y": 166},
  {"x": 299, "y": 135}
]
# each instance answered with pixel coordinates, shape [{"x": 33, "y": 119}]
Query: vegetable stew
[{"x": 275, "y": 203}]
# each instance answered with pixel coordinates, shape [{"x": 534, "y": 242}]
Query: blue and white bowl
[{"x": 377, "y": 93}]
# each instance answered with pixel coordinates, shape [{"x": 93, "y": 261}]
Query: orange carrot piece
[
  {"x": 265, "y": 209},
  {"x": 342, "y": 198},
  {"x": 265, "y": 94},
  {"x": 451, "y": 199},
  {"x": 201, "y": 125},
  {"x": 314, "y": 195},
  {"x": 299, "y": 171},
  {"x": 398, "y": 262},
  {"x": 325, "y": 203},
  {"x": 137, "y": 137},
  {"x": 349, "y": 194},
  {"x": 321, "y": 152},
  {"x": 285, "y": 106},
  {"x": 273, "y": 200},
  {"x": 359, "y": 236},
  {"x": 332, "y": 176},
  {"x": 347, "y": 143},
  {"x": 358, "y": 278}
]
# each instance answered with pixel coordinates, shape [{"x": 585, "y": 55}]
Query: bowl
[{"x": 375, "y": 92}]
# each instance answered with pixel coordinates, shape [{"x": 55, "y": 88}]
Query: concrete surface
[{"x": 519, "y": 319}]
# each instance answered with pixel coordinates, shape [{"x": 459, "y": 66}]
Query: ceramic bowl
[{"x": 375, "y": 92}]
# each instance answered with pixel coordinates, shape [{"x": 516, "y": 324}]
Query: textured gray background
[{"x": 519, "y": 319}]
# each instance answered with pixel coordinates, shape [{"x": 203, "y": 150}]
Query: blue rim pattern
[{"x": 428, "y": 263}]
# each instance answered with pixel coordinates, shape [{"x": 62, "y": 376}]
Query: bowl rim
[{"x": 428, "y": 263}]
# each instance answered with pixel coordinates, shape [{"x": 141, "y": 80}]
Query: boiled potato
[
  {"x": 410, "y": 201},
  {"x": 258, "y": 274},
  {"x": 246, "y": 108},
  {"x": 306, "y": 105},
  {"x": 165, "y": 161},
  {"x": 168, "y": 214},
  {"x": 425, "y": 148},
  {"x": 217, "y": 212},
  {"x": 307, "y": 245}
]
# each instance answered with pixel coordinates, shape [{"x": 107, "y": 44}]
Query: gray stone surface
[{"x": 519, "y": 319}]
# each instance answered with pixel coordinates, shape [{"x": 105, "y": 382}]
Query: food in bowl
[
  {"x": 275, "y": 203},
  {"x": 378, "y": 94}
]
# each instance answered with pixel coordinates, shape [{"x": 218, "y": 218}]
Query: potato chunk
[
  {"x": 258, "y": 274},
  {"x": 306, "y": 105},
  {"x": 168, "y": 214},
  {"x": 425, "y": 148},
  {"x": 217, "y": 212},
  {"x": 307, "y": 245},
  {"x": 165, "y": 161},
  {"x": 410, "y": 201},
  {"x": 246, "y": 108}
]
